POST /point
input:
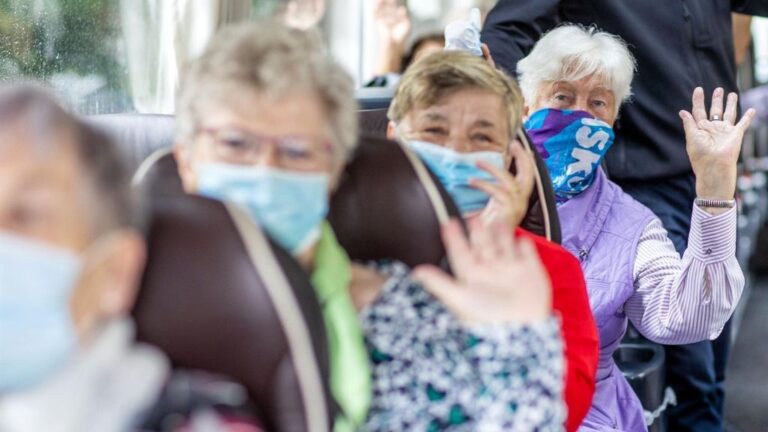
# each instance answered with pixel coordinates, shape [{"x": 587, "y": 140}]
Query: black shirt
[{"x": 678, "y": 44}]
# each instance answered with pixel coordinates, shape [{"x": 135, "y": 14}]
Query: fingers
[
  {"x": 498, "y": 193},
  {"x": 484, "y": 248},
  {"x": 487, "y": 55},
  {"x": 716, "y": 109},
  {"x": 731, "y": 107},
  {"x": 501, "y": 175},
  {"x": 689, "y": 123},
  {"x": 698, "y": 110},
  {"x": 525, "y": 167},
  {"x": 456, "y": 247},
  {"x": 746, "y": 120}
]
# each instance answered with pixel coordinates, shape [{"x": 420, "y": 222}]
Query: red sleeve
[{"x": 570, "y": 299}]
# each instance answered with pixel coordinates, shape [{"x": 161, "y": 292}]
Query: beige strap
[
  {"x": 289, "y": 313},
  {"x": 429, "y": 186},
  {"x": 147, "y": 164}
]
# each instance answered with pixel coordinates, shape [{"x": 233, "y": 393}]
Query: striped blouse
[{"x": 689, "y": 299}]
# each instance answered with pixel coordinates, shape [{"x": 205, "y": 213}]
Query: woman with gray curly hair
[{"x": 266, "y": 121}]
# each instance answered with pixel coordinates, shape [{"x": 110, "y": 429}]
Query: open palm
[
  {"x": 497, "y": 279},
  {"x": 713, "y": 142}
]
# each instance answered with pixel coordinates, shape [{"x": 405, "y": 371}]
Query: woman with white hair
[{"x": 574, "y": 81}]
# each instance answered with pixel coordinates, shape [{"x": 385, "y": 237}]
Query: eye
[
  {"x": 435, "y": 131},
  {"x": 294, "y": 150},
  {"x": 482, "y": 138},
  {"x": 232, "y": 142},
  {"x": 599, "y": 103},
  {"x": 561, "y": 97}
]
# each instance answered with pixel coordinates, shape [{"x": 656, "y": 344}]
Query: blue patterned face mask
[
  {"x": 572, "y": 144},
  {"x": 455, "y": 170},
  {"x": 37, "y": 333},
  {"x": 290, "y": 206}
]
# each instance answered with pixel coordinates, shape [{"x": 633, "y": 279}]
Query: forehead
[
  {"x": 289, "y": 113},
  {"x": 28, "y": 164},
  {"x": 594, "y": 84},
  {"x": 471, "y": 103}
]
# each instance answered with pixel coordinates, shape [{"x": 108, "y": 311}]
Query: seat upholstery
[
  {"x": 374, "y": 122},
  {"x": 389, "y": 206},
  {"x": 216, "y": 296},
  {"x": 138, "y": 135}
]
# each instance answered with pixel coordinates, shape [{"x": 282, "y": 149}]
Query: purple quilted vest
[{"x": 601, "y": 227}]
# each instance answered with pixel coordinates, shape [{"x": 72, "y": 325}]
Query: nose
[
  {"x": 267, "y": 157},
  {"x": 459, "y": 142},
  {"x": 582, "y": 104}
]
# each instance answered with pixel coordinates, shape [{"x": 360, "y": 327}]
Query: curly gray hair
[{"x": 268, "y": 57}]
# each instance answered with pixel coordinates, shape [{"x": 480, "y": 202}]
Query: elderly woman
[
  {"x": 266, "y": 120},
  {"x": 574, "y": 81},
  {"x": 461, "y": 116}
]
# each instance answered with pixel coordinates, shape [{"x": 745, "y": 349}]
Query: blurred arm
[{"x": 513, "y": 27}]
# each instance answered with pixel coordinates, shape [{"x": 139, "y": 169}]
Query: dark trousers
[{"x": 696, "y": 372}]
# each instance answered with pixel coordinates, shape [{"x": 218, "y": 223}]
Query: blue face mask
[
  {"x": 454, "y": 170},
  {"x": 37, "y": 334},
  {"x": 572, "y": 144},
  {"x": 290, "y": 206}
]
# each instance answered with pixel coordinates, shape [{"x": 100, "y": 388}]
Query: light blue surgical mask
[
  {"x": 37, "y": 333},
  {"x": 290, "y": 206},
  {"x": 455, "y": 170}
]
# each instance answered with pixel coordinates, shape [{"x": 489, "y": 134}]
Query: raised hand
[
  {"x": 510, "y": 194},
  {"x": 713, "y": 143},
  {"x": 392, "y": 22},
  {"x": 497, "y": 279}
]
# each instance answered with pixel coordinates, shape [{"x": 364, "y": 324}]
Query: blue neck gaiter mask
[{"x": 572, "y": 144}]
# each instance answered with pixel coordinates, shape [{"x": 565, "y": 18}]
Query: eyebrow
[
  {"x": 435, "y": 117},
  {"x": 485, "y": 124}
]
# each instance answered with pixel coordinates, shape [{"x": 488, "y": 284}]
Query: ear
[
  {"x": 391, "y": 128},
  {"x": 181, "y": 152},
  {"x": 124, "y": 259}
]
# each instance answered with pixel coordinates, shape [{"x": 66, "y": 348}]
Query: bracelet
[{"x": 715, "y": 203}]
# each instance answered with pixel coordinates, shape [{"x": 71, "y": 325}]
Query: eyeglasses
[{"x": 239, "y": 147}]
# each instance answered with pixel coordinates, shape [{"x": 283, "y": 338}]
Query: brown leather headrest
[
  {"x": 389, "y": 206},
  {"x": 373, "y": 122},
  {"x": 216, "y": 296}
]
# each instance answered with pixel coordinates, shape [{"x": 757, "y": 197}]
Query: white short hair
[{"x": 572, "y": 52}]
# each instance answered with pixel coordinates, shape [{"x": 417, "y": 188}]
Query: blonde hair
[
  {"x": 573, "y": 52},
  {"x": 444, "y": 73},
  {"x": 268, "y": 57}
]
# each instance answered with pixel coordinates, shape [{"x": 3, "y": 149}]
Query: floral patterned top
[{"x": 431, "y": 373}]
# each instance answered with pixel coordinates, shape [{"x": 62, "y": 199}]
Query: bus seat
[
  {"x": 374, "y": 97},
  {"x": 542, "y": 218},
  {"x": 373, "y": 122},
  {"x": 388, "y": 205},
  {"x": 642, "y": 364},
  {"x": 138, "y": 135},
  {"x": 216, "y": 296}
]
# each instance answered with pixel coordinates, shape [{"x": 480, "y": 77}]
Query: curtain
[{"x": 162, "y": 36}]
